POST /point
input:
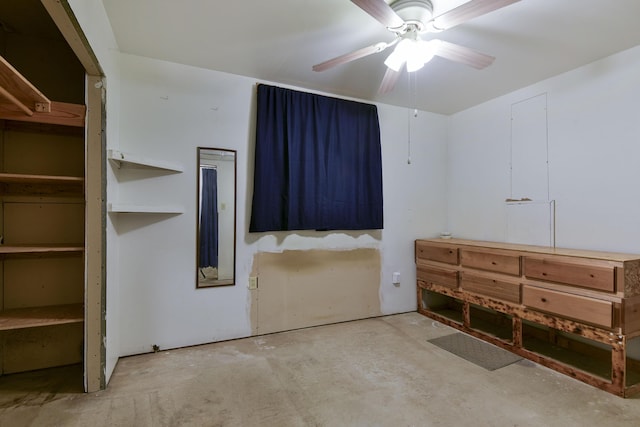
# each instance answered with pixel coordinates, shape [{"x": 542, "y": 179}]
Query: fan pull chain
[
  {"x": 415, "y": 114},
  {"x": 409, "y": 139}
]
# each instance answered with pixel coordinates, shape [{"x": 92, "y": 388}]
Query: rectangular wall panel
[
  {"x": 298, "y": 289},
  {"x": 529, "y": 160}
]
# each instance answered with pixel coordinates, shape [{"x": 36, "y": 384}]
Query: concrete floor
[{"x": 375, "y": 372}]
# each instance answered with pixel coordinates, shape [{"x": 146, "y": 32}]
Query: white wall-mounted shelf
[
  {"x": 121, "y": 159},
  {"x": 131, "y": 208}
]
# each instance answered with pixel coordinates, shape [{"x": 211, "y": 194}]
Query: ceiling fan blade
[
  {"x": 467, "y": 11},
  {"x": 464, "y": 55},
  {"x": 389, "y": 81},
  {"x": 380, "y": 11},
  {"x": 352, "y": 56}
]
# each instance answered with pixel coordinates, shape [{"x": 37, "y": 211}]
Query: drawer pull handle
[
  {"x": 494, "y": 263},
  {"x": 543, "y": 299},
  {"x": 544, "y": 274}
]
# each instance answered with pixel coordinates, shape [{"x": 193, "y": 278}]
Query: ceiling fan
[{"x": 407, "y": 20}]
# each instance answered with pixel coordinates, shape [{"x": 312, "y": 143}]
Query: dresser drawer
[
  {"x": 490, "y": 261},
  {"x": 491, "y": 287},
  {"x": 587, "y": 276},
  {"x": 436, "y": 275},
  {"x": 590, "y": 310},
  {"x": 432, "y": 252}
]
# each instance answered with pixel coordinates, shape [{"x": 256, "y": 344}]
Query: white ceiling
[{"x": 279, "y": 41}]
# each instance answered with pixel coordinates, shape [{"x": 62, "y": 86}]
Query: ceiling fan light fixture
[{"x": 407, "y": 20}]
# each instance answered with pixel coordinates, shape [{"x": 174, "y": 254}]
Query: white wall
[
  {"x": 593, "y": 118},
  {"x": 414, "y": 196},
  {"x": 166, "y": 111}
]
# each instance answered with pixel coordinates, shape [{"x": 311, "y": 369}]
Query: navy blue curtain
[
  {"x": 318, "y": 163},
  {"x": 209, "y": 219}
]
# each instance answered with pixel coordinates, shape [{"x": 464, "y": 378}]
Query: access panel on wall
[
  {"x": 529, "y": 159},
  {"x": 529, "y": 212}
]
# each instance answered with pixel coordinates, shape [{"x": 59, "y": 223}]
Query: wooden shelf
[
  {"x": 33, "y": 317},
  {"x": 131, "y": 208},
  {"x": 62, "y": 113},
  {"x": 40, "y": 186},
  {"x": 39, "y": 249},
  {"x": 15, "y": 178},
  {"x": 121, "y": 159},
  {"x": 20, "y": 100},
  {"x": 19, "y": 92}
]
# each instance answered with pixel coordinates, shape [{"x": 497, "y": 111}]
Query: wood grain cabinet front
[
  {"x": 437, "y": 275},
  {"x": 586, "y": 275},
  {"x": 590, "y": 310},
  {"x": 434, "y": 252},
  {"x": 491, "y": 261},
  {"x": 491, "y": 286}
]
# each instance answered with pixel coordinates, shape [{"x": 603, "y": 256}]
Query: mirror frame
[{"x": 198, "y": 201}]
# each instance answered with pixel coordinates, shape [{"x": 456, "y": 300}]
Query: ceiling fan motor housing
[{"x": 414, "y": 12}]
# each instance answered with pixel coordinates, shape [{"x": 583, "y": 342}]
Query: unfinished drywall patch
[{"x": 298, "y": 289}]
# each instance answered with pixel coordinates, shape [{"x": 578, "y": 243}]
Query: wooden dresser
[{"x": 574, "y": 311}]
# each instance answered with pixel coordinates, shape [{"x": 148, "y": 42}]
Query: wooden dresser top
[{"x": 611, "y": 256}]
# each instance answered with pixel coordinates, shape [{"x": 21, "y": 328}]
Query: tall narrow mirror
[{"x": 216, "y": 235}]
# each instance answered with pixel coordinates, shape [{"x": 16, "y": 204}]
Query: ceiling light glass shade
[
  {"x": 415, "y": 53},
  {"x": 394, "y": 61},
  {"x": 398, "y": 57}
]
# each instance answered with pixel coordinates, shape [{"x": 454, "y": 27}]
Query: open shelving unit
[{"x": 42, "y": 208}]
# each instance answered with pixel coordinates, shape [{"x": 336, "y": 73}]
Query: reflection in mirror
[{"x": 216, "y": 217}]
